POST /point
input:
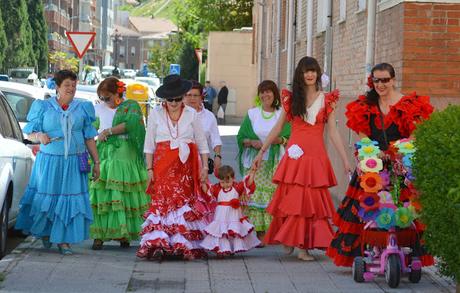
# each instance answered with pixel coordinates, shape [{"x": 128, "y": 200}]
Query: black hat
[{"x": 173, "y": 86}]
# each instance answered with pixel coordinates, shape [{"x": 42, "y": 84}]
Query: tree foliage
[
  {"x": 3, "y": 42},
  {"x": 437, "y": 173},
  {"x": 19, "y": 51},
  {"x": 188, "y": 61},
  {"x": 62, "y": 60},
  {"x": 164, "y": 55},
  {"x": 40, "y": 34}
]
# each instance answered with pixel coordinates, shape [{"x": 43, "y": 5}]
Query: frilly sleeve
[
  {"x": 331, "y": 100},
  {"x": 89, "y": 118},
  {"x": 413, "y": 109},
  {"x": 134, "y": 123},
  {"x": 286, "y": 102},
  {"x": 358, "y": 115},
  {"x": 35, "y": 117}
]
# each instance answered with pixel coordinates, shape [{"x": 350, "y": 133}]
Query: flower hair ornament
[
  {"x": 370, "y": 82},
  {"x": 121, "y": 88}
]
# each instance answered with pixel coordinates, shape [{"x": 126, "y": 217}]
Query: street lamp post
[{"x": 116, "y": 36}]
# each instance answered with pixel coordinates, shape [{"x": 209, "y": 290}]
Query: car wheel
[{"x": 4, "y": 227}]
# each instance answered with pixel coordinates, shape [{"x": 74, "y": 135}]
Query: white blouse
[
  {"x": 209, "y": 123},
  {"x": 187, "y": 130},
  {"x": 105, "y": 115},
  {"x": 262, "y": 128}
]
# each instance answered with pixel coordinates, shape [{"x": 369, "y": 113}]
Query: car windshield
[{"x": 20, "y": 104}]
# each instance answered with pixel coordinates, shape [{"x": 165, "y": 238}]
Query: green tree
[
  {"x": 188, "y": 61},
  {"x": 40, "y": 34},
  {"x": 62, "y": 60},
  {"x": 19, "y": 51},
  {"x": 163, "y": 56},
  {"x": 3, "y": 42}
]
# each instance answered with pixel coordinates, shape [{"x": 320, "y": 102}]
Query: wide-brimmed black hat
[{"x": 173, "y": 86}]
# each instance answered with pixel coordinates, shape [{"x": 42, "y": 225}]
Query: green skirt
[
  {"x": 259, "y": 201},
  {"x": 118, "y": 198}
]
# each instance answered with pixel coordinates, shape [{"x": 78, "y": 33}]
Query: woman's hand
[
  {"x": 43, "y": 138},
  {"x": 103, "y": 135},
  {"x": 217, "y": 163},
  {"x": 347, "y": 167},
  {"x": 257, "y": 161},
  {"x": 204, "y": 175},
  {"x": 247, "y": 143},
  {"x": 257, "y": 144},
  {"x": 150, "y": 174},
  {"x": 96, "y": 171}
]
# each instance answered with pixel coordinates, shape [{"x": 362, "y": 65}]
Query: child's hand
[{"x": 204, "y": 187}]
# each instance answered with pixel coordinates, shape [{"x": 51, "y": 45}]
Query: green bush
[{"x": 437, "y": 173}]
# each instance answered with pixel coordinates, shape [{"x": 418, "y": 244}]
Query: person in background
[
  {"x": 118, "y": 198},
  {"x": 210, "y": 96},
  {"x": 222, "y": 99},
  {"x": 55, "y": 206}
]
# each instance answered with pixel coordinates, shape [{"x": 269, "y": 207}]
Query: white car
[
  {"x": 129, "y": 73},
  {"x": 16, "y": 161},
  {"x": 20, "y": 97}
]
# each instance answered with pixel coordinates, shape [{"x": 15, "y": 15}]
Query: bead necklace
[
  {"x": 168, "y": 117},
  {"x": 270, "y": 116}
]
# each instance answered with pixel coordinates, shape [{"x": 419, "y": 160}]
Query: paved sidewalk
[{"x": 33, "y": 269}]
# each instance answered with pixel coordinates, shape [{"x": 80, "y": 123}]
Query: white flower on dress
[{"x": 295, "y": 152}]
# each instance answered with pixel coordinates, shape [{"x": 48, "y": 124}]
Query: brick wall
[{"x": 431, "y": 51}]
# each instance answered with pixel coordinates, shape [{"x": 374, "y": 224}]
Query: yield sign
[{"x": 81, "y": 41}]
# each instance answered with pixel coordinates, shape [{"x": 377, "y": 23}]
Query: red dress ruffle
[{"x": 301, "y": 206}]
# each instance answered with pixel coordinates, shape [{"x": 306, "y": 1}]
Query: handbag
[
  {"x": 83, "y": 162},
  {"x": 220, "y": 113},
  {"x": 210, "y": 166}
]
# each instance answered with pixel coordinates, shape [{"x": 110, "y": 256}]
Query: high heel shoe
[
  {"x": 65, "y": 250},
  {"x": 46, "y": 243}
]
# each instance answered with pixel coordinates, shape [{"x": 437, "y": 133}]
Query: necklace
[
  {"x": 266, "y": 117},
  {"x": 168, "y": 118}
]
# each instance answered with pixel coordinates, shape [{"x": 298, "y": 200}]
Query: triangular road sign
[{"x": 80, "y": 41}]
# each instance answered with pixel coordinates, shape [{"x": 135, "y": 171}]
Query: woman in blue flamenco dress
[{"x": 55, "y": 206}]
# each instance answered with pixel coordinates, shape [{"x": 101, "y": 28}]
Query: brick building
[{"x": 421, "y": 39}]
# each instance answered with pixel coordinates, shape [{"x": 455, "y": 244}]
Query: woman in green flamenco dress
[
  {"x": 118, "y": 198},
  {"x": 252, "y": 134}
]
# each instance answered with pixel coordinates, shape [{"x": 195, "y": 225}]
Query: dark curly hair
[
  {"x": 197, "y": 86},
  {"x": 109, "y": 85},
  {"x": 372, "y": 97},
  {"x": 305, "y": 64},
  {"x": 64, "y": 74},
  {"x": 269, "y": 85}
]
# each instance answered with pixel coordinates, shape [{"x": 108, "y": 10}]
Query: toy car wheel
[
  {"x": 393, "y": 270},
  {"x": 415, "y": 274},
  {"x": 358, "y": 270}
]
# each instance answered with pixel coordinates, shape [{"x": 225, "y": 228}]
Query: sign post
[
  {"x": 80, "y": 42},
  {"x": 174, "y": 69}
]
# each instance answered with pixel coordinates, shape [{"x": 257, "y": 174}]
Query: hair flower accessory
[
  {"x": 403, "y": 217},
  {"x": 371, "y": 182},
  {"x": 121, "y": 87},
  {"x": 370, "y": 82},
  {"x": 371, "y": 164},
  {"x": 369, "y": 201},
  {"x": 386, "y": 219}
]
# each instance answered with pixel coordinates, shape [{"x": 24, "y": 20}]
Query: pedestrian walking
[
  {"x": 210, "y": 96},
  {"x": 384, "y": 115},
  {"x": 230, "y": 231},
  {"x": 194, "y": 99},
  {"x": 301, "y": 206},
  {"x": 174, "y": 143},
  {"x": 253, "y": 132},
  {"x": 55, "y": 206},
  {"x": 222, "y": 99},
  {"x": 118, "y": 198}
]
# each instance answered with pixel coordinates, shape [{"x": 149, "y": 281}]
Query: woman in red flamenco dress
[
  {"x": 175, "y": 221},
  {"x": 301, "y": 206},
  {"x": 383, "y": 115}
]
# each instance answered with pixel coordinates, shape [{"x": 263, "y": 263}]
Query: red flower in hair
[
  {"x": 370, "y": 82},
  {"x": 121, "y": 87}
]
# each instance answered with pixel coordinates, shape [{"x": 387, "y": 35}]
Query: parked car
[
  {"x": 24, "y": 75},
  {"x": 107, "y": 71},
  {"x": 129, "y": 73},
  {"x": 4, "y": 77},
  {"x": 16, "y": 162}
]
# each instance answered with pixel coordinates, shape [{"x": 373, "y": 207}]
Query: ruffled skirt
[
  {"x": 56, "y": 202},
  {"x": 118, "y": 198},
  {"x": 301, "y": 207}
]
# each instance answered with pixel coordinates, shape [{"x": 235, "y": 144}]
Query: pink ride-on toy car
[{"x": 390, "y": 253}]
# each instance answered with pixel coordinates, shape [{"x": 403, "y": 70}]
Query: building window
[
  {"x": 342, "y": 10},
  {"x": 321, "y": 16},
  {"x": 133, "y": 50},
  {"x": 272, "y": 25},
  {"x": 286, "y": 23},
  {"x": 268, "y": 31},
  {"x": 361, "y": 5},
  {"x": 122, "y": 51}
]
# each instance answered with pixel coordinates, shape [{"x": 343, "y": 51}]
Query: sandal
[
  {"x": 97, "y": 244},
  {"x": 304, "y": 255},
  {"x": 46, "y": 242},
  {"x": 288, "y": 249},
  {"x": 124, "y": 243},
  {"x": 65, "y": 249}
]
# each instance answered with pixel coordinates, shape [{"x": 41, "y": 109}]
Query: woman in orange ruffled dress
[
  {"x": 301, "y": 206},
  {"x": 383, "y": 115}
]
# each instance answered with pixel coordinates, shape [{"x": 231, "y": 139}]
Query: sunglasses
[
  {"x": 382, "y": 80},
  {"x": 104, "y": 99},
  {"x": 177, "y": 100}
]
